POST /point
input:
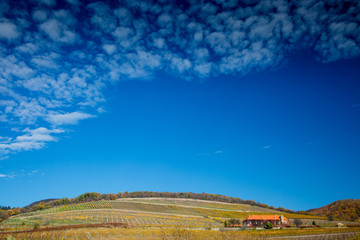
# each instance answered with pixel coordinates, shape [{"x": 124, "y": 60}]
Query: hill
[
  {"x": 37, "y": 202},
  {"x": 348, "y": 210},
  {"x": 149, "y": 212},
  {"x": 124, "y": 216}
]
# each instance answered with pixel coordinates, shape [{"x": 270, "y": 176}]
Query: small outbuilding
[
  {"x": 261, "y": 220},
  {"x": 340, "y": 225}
]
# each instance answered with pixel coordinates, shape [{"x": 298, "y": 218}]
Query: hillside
[
  {"x": 148, "y": 212},
  {"x": 91, "y": 216},
  {"x": 37, "y": 202},
  {"x": 348, "y": 210}
]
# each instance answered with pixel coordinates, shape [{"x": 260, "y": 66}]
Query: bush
[
  {"x": 208, "y": 227},
  {"x": 268, "y": 226},
  {"x": 234, "y": 222},
  {"x": 36, "y": 226}
]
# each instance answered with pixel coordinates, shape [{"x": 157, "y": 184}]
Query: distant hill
[
  {"x": 348, "y": 209},
  {"x": 37, "y": 202}
]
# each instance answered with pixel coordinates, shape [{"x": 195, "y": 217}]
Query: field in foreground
[
  {"x": 158, "y": 218},
  {"x": 189, "y": 234}
]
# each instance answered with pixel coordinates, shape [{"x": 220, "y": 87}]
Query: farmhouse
[{"x": 261, "y": 220}]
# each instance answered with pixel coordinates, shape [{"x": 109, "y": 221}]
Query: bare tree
[{"x": 298, "y": 222}]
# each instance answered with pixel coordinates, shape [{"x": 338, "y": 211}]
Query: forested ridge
[{"x": 348, "y": 209}]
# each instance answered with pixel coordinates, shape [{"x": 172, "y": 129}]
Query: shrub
[
  {"x": 234, "y": 222},
  {"x": 208, "y": 227},
  {"x": 36, "y": 226},
  {"x": 268, "y": 226}
]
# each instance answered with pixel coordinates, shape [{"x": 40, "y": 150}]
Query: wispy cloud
[
  {"x": 7, "y": 176},
  {"x": 33, "y": 139},
  {"x": 56, "y": 61},
  {"x": 68, "y": 118},
  {"x": 21, "y": 173}
]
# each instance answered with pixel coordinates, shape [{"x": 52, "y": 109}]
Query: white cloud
[
  {"x": 203, "y": 69},
  {"x": 164, "y": 20},
  {"x": 124, "y": 16},
  {"x": 109, "y": 48},
  {"x": 8, "y": 31},
  {"x": 10, "y": 66},
  {"x": 159, "y": 42},
  {"x": 123, "y": 33},
  {"x": 47, "y": 2},
  {"x": 29, "y": 48},
  {"x": 21, "y": 173},
  {"x": 33, "y": 139},
  {"x": 28, "y": 111},
  {"x": 73, "y": 2},
  {"x": 180, "y": 64},
  {"x": 67, "y": 118},
  {"x": 218, "y": 42},
  {"x": 103, "y": 17},
  {"x": 55, "y": 63},
  {"x": 39, "y": 135},
  {"x": 47, "y": 61},
  {"x": 40, "y": 15},
  {"x": 58, "y": 31},
  {"x": 64, "y": 16},
  {"x": 40, "y": 83}
]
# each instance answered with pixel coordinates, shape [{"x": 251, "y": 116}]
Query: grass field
[
  {"x": 157, "y": 219},
  {"x": 182, "y": 233}
]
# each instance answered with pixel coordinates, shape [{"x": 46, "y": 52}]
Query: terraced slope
[
  {"x": 200, "y": 204},
  {"x": 173, "y": 206},
  {"x": 148, "y": 212}
]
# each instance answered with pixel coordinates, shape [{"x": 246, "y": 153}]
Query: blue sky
[{"x": 252, "y": 100}]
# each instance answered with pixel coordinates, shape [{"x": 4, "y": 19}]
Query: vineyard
[
  {"x": 182, "y": 207},
  {"x": 145, "y": 212},
  {"x": 201, "y": 203},
  {"x": 114, "y": 216},
  {"x": 152, "y": 214}
]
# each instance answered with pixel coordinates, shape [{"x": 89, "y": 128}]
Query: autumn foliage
[{"x": 348, "y": 210}]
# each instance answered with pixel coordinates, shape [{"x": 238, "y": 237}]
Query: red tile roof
[{"x": 265, "y": 217}]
